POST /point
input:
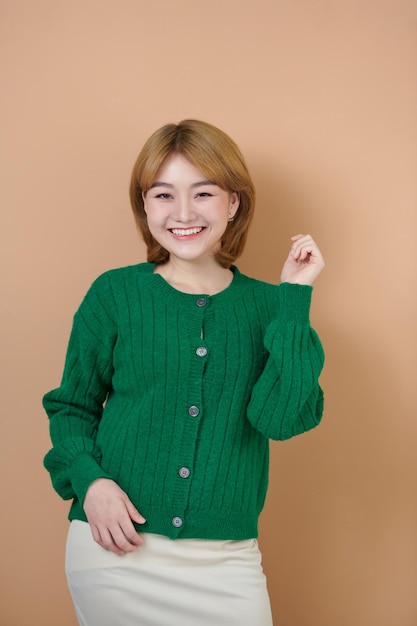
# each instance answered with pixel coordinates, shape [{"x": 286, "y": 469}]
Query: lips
[{"x": 186, "y": 232}]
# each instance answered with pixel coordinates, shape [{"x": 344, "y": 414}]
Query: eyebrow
[{"x": 201, "y": 183}]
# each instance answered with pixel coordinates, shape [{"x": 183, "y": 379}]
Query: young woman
[{"x": 178, "y": 372}]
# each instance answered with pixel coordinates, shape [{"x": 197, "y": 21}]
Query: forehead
[{"x": 176, "y": 169}]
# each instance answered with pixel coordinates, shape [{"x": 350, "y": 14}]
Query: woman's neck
[{"x": 209, "y": 278}]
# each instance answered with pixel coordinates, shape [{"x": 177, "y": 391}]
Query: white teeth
[{"x": 182, "y": 232}]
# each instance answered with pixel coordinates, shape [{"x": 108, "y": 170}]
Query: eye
[
  {"x": 163, "y": 196},
  {"x": 204, "y": 194}
]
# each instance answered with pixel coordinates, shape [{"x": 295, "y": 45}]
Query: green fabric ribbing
[{"x": 136, "y": 350}]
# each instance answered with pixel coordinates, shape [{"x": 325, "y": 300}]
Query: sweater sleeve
[
  {"x": 287, "y": 399},
  {"x": 75, "y": 407}
]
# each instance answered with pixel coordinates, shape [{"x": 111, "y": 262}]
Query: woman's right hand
[{"x": 110, "y": 513}]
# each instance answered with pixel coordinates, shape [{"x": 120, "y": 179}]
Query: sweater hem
[{"x": 190, "y": 524}]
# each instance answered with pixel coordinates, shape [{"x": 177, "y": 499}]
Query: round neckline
[{"x": 162, "y": 288}]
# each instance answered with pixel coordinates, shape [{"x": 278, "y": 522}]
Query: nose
[{"x": 184, "y": 210}]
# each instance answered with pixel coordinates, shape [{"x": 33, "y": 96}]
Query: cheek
[
  {"x": 152, "y": 224},
  {"x": 153, "y": 216}
]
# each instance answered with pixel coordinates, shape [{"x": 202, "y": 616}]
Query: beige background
[{"x": 322, "y": 98}]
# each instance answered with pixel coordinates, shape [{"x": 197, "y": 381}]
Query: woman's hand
[
  {"x": 110, "y": 513},
  {"x": 304, "y": 262}
]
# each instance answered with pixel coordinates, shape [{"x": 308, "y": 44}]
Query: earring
[{"x": 231, "y": 218}]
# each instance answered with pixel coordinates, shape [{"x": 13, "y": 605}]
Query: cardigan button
[
  {"x": 177, "y": 522},
  {"x": 201, "y": 302},
  {"x": 194, "y": 411},
  {"x": 201, "y": 351},
  {"x": 184, "y": 472}
]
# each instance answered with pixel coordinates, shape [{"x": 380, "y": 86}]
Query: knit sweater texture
[{"x": 175, "y": 396}]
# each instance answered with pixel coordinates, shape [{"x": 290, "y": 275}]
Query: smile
[{"x": 185, "y": 232}]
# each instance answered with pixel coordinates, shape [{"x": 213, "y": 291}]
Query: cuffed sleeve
[
  {"x": 287, "y": 399},
  {"x": 75, "y": 407}
]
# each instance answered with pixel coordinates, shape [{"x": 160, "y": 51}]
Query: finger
[
  {"x": 132, "y": 537},
  {"x": 134, "y": 513},
  {"x": 130, "y": 533},
  {"x": 111, "y": 540},
  {"x": 305, "y": 247},
  {"x": 306, "y": 252},
  {"x": 124, "y": 533},
  {"x": 298, "y": 242},
  {"x": 310, "y": 251},
  {"x": 105, "y": 539},
  {"x": 301, "y": 251},
  {"x": 122, "y": 541},
  {"x": 96, "y": 534}
]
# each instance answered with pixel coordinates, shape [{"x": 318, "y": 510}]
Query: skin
[
  {"x": 304, "y": 262},
  {"x": 188, "y": 214},
  {"x": 180, "y": 202}
]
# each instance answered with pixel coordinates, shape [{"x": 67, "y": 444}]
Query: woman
[{"x": 178, "y": 372}]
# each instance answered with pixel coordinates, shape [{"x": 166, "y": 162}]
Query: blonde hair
[{"x": 218, "y": 157}]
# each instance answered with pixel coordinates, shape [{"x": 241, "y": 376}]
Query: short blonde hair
[{"x": 218, "y": 157}]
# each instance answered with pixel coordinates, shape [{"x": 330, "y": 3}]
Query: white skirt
[{"x": 186, "y": 582}]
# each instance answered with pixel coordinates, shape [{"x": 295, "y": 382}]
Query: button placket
[{"x": 193, "y": 415}]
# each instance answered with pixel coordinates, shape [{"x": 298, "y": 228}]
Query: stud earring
[{"x": 231, "y": 218}]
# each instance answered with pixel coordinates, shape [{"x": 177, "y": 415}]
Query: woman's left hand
[{"x": 304, "y": 262}]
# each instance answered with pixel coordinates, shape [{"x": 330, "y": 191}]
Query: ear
[
  {"x": 234, "y": 203},
  {"x": 144, "y": 200}
]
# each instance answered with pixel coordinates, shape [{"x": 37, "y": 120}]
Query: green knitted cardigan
[{"x": 175, "y": 397}]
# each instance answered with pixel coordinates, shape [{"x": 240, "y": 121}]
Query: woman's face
[{"x": 186, "y": 213}]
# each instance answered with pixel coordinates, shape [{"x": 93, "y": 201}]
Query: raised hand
[
  {"x": 110, "y": 513},
  {"x": 304, "y": 262}
]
